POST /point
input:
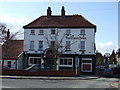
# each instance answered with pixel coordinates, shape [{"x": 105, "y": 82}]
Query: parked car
[{"x": 107, "y": 72}]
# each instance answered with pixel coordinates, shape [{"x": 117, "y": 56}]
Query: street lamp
[{"x": 76, "y": 64}]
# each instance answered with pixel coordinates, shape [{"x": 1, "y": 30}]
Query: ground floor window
[
  {"x": 86, "y": 64},
  {"x": 66, "y": 61},
  {"x": 9, "y": 64},
  {"x": 34, "y": 60}
]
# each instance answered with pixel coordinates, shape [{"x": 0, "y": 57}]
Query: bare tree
[
  {"x": 58, "y": 48},
  {"x": 3, "y": 33}
]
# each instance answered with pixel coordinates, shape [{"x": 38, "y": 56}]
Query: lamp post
[{"x": 76, "y": 64}]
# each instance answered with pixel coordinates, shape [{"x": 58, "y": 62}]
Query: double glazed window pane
[
  {"x": 32, "y": 45},
  {"x": 67, "y": 45},
  {"x": 40, "y": 45},
  {"x": 82, "y": 45}
]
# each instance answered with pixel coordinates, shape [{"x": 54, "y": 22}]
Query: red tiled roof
[
  {"x": 11, "y": 49},
  {"x": 69, "y": 21}
]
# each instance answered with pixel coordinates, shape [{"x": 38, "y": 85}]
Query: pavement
[
  {"x": 82, "y": 77},
  {"x": 50, "y": 77}
]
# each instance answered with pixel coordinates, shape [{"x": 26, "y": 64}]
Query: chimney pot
[
  {"x": 8, "y": 34},
  {"x": 63, "y": 11},
  {"x": 49, "y": 12}
]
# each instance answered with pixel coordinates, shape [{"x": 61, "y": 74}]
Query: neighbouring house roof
[
  {"x": 68, "y": 21},
  {"x": 11, "y": 49}
]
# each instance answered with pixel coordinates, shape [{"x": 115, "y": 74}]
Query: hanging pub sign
[{"x": 49, "y": 56}]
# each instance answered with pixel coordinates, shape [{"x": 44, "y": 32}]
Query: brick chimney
[
  {"x": 49, "y": 12},
  {"x": 63, "y": 11},
  {"x": 8, "y": 34}
]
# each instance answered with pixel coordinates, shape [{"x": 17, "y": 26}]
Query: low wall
[{"x": 40, "y": 73}]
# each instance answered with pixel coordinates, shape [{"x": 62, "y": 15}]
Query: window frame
[
  {"x": 9, "y": 64},
  {"x": 32, "y": 45},
  {"x": 82, "y": 31},
  {"x": 68, "y": 32},
  {"x": 84, "y": 63},
  {"x": 53, "y": 31},
  {"x": 40, "y": 46},
  {"x": 52, "y": 44},
  {"x": 82, "y": 45},
  {"x": 41, "y": 32},
  {"x": 29, "y": 62},
  {"x": 68, "y": 46},
  {"x": 66, "y": 65},
  {"x": 32, "y": 32}
]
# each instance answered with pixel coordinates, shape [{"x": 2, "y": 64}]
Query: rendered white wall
[{"x": 89, "y": 41}]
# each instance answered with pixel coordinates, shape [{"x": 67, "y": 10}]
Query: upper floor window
[
  {"x": 40, "y": 45},
  {"x": 32, "y": 45},
  {"x": 67, "y": 45},
  {"x": 82, "y": 31},
  {"x": 41, "y": 32},
  {"x": 68, "y": 32},
  {"x": 52, "y": 43},
  {"x": 52, "y": 31},
  {"x": 82, "y": 45},
  {"x": 32, "y": 32}
]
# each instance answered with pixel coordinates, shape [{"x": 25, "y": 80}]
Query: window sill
[
  {"x": 86, "y": 71},
  {"x": 40, "y": 34},
  {"x": 32, "y": 34},
  {"x": 82, "y": 50},
  {"x": 66, "y": 65},
  {"x": 40, "y": 50},
  {"x": 82, "y": 34},
  {"x": 68, "y": 50},
  {"x": 68, "y": 34}
]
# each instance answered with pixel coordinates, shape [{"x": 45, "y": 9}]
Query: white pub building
[{"x": 64, "y": 41}]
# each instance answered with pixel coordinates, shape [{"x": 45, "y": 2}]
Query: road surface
[{"x": 38, "y": 83}]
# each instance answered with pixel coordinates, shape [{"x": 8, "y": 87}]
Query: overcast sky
[{"x": 103, "y": 14}]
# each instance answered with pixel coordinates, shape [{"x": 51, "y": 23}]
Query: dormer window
[
  {"x": 82, "y": 31},
  {"x": 52, "y": 31},
  {"x": 32, "y": 32},
  {"x": 41, "y": 32}
]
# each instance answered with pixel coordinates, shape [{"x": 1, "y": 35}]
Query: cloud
[
  {"x": 106, "y": 47},
  {"x": 14, "y": 24}
]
